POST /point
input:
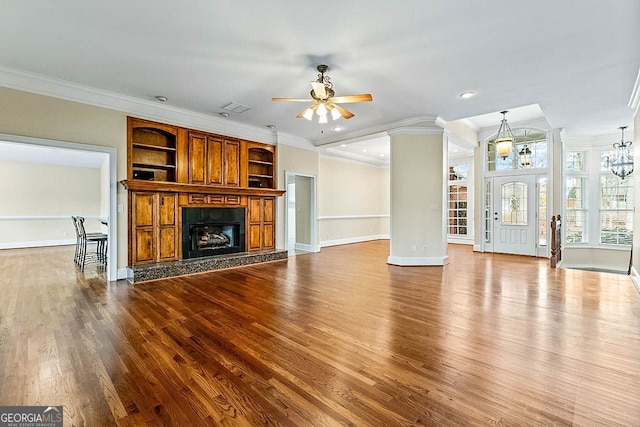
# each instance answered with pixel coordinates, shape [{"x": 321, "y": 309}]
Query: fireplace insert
[{"x": 212, "y": 231}]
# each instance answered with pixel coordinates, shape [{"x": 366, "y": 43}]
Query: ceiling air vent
[{"x": 236, "y": 108}]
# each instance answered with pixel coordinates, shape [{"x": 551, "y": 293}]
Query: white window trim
[
  {"x": 592, "y": 174},
  {"x": 469, "y": 182}
]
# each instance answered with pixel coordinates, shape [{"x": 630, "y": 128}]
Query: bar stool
[{"x": 83, "y": 239}]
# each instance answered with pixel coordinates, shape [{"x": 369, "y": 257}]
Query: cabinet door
[
  {"x": 255, "y": 211},
  {"x": 167, "y": 209},
  {"x": 167, "y": 248},
  {"x": 255, "y": 237},
  {"x": 167, "y": 226},
  {"x": 232, "y": 163},
  {"x": 143, "y": 250},
  {"x": 142, "y": 223},
  {"x": 214, "y": 161},
  {"x": 267, "y": 209},
  {"x": 197, "y": 158},
  {"x": 267, "y": 236},
  {"x": 143, "y": 209}
]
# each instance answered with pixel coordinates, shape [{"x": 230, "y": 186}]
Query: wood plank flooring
[{"x": 335, "y": 338}]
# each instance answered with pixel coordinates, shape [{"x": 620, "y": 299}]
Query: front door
[{"x": 514, "y": 214}]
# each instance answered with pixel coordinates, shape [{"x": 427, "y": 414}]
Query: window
[
  {"x": 458, "y": 209},
  {"x": 459, "y": 201},
  {"x": 458, "y": 172},
  {"x": 542, "y": 212},
  {"x": 534, "y": 139},
  {"x": 575, "y": 210},
  {"x": 616, "y": 210},
  {"x": 600, "y": 213},
  {"x": 488, "y": 223},
  {"x": 514, "y": 203}
]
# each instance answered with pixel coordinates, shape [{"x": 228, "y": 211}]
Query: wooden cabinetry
[
  {"x": 260, "y": 165},
  {"x": 152, "y": 150},
  {"x": 213, "y": 160},
  {"x": 154, "y": 227},
  {"x": 261, "y": 223}
]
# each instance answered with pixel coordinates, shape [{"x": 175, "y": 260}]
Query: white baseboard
[
  {"x": 635, "y": 278},
  {"x": 460, "y": 241},
  {"x": 417, "y": 261},
  {"x": 124, "y": 273},
  {"x": 304, "y": 247},
  {"x": 592, "y": 267},
  {"x": 477, "y": 248},
  {"x": 37, "y": 244},
  {"x": 349, "y": 240}
]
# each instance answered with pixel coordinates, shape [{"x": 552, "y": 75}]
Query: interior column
[{"x": 418, "y": 197}]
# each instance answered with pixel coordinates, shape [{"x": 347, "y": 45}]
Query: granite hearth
[{"x": 142, "y": 273}]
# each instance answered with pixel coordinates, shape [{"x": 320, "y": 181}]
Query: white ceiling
[
  {"x": 578, "y": 60},
  {"x": 18, "y": 152}
]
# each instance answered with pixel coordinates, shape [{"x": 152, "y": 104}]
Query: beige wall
[
  {"x": 636, "y": 191},
  {"x": 355, "y": 190},
  {"x": 297, "y": 160},
  {"x": 38, "y": 116},
  {"x": 417, "y": 197},
  {"x": 596, "y": 258},
  {"x": 43, "y": 190}
]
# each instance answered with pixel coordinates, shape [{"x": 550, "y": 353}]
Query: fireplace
[{"x": 212, "y": 231}]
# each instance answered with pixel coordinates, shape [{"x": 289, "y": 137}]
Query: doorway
[
  {"x": 108, "y": 184},
  {"x": 301, "y": 217},
  {"x": 514, "y": 203}
]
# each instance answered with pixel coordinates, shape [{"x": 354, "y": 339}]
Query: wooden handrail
[{"x": 556, "y": 241}]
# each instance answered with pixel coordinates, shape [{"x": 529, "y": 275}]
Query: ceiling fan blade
[
  {"x": 292, "y": 99},
  {"x": 365, "y": 97},
  {"x": 319, "y": 90},
  {"x": 344, "y": 113}
]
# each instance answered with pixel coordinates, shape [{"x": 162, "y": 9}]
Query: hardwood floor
[{"x": 335, "y": 338}]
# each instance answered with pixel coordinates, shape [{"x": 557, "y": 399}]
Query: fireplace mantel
[{"x": 177, "y": 187}]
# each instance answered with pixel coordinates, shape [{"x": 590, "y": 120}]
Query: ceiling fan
[{"x": 324, "y": 100}]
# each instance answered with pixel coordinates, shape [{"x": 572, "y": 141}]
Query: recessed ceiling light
[
  {"x": 466, "y": 95},
  {"x": 271, "y": 126},
  {"x": 224, "y": 114},
  {"x": 343, "y": 145},
  {"x": 338, "y": 128},
  {"x": 364, "y": 150},
  {"x": 162, "y": 98},
  {"x": 381, "y": 155}
]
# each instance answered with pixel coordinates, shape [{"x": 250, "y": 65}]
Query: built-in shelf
[
  {"x": 152, "y": 150},
  {"x": 261, "y": 162},
  {"x": 260, "y": 165},
  {"x": 149, "y": 166},
  {"x": 153, "y": 147}
]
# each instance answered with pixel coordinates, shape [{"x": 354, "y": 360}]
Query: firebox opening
[{"x": 212, "y": 231}]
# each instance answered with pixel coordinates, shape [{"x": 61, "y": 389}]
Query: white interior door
[{"x": 514, "y": 214}]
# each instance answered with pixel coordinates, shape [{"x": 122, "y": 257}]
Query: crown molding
[
  {"x": 416, "y": 131},
  {"x": 294, "y": 141},
  {"x": 416, "y": 121},
  {"x": 354, "y": 158},
  {"x": 56, "y": 88},
  {"x": 634, "y": 100}
]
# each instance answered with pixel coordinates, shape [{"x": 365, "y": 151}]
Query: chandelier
[
  {"x": 504, "y": 139},
  {"x": 622, "y": 162}
]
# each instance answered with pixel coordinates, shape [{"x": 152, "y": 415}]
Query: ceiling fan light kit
[{"x": 324, "y": 100}]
